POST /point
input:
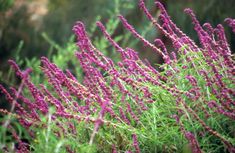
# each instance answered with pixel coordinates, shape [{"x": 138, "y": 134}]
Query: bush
[{"x": 129, "y": 106}]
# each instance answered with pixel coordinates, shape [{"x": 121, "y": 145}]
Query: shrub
[{"x": 129, "y": 106}]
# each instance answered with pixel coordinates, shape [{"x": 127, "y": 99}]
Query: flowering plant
[{"x": 129, "y": 106}]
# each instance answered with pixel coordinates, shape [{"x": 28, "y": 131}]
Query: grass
[{"x": 119, "y": 100}]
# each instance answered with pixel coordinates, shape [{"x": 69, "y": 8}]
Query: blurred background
[{"x": 29, "y": 28}]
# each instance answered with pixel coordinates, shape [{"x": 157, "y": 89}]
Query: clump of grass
[{"x": 129, "y": 106}]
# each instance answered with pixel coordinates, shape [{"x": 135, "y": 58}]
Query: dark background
[{"x": 26, "y": 20}]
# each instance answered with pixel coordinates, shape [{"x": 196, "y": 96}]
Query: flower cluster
[{"x": 199, "y": 79}]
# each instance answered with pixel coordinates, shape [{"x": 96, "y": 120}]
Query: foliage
[
  {"x": 126, "y": 105},
  {"x": 5, "y": 5}
]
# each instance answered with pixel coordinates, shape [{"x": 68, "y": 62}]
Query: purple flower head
[
  {"x": 192, "y": 80},
  {"x": 135, "y": 143},
  {"x": 142, "y": 7},
  {"x": 162, "y": 8},
  {"x": 209, "y": 28},
  {"x": 83, "y": 41},
  {"x": 231, "y": 23},
  {"x": 193, "y": 142}
]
